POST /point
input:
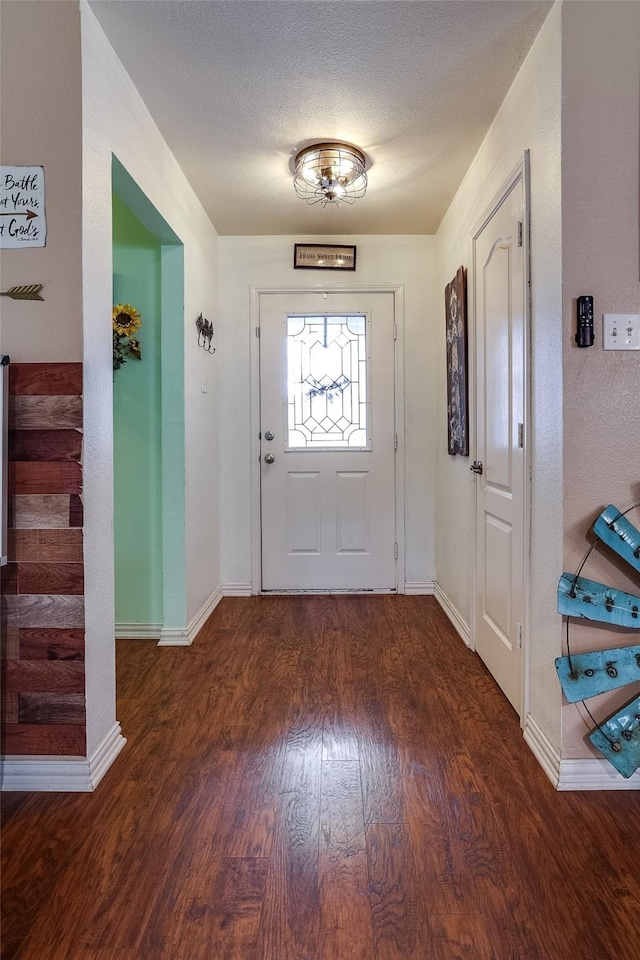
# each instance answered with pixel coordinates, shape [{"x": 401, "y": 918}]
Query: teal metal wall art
[
  {"x": 589, "y": 600},
  {"x": 591, "y": 674},
  {"x": 614, "y": 529},
  {"x": 618, "y": 738},
  {"x": 586, "y": 675}
]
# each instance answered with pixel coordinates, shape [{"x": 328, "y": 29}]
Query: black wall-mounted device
[{"x": 584, "y": 336}]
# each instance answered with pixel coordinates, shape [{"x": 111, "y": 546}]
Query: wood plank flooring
[{"x": 320, "y": 778}]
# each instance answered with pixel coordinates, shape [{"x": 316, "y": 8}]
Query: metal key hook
[{"x": 205, "y": 333}]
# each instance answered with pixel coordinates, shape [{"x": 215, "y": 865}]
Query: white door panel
[
  {"x": 303, "y": 512},
  {"x": 327, "y": 397},
  {"x": 499, "y": 370},
  {"x": 353, "y": 515},
  {"x": 497, "y": 576}
]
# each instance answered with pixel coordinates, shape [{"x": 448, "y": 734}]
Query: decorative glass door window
[{"x": 327, "y": 390}]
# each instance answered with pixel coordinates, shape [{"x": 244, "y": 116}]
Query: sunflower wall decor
[{"x": 126, "y": 321}]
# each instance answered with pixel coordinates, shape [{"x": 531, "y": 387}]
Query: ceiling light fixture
[{"x": 330, "y": 173}]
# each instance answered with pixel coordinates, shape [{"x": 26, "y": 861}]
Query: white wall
[
  {"x": 529, "y": 118},
  {"x": 600, "y": 151},
  {"x": 40, "y": 52},
  {"x": 115, "y": 120},
  {"x": 267, "y": 262}
]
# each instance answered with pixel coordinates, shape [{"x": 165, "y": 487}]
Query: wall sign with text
[
  {"x": 22, "y": 216},
  {"x": 323, "y": 256}
]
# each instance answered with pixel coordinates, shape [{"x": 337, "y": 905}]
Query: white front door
[
  {"x": 327, "y": 449},
  {"x": 499, "y": 430}
]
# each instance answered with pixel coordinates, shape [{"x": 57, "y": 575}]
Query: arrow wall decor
[
  {"x": 29, "y": 214},
  {"x": 586, "y": 675},
  {"x": 28, "y": 291}
]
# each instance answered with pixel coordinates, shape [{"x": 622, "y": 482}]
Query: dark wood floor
[{"x": 320, "y": 778}]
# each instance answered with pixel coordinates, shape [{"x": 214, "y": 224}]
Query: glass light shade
[{"x": 330, "y": 173}]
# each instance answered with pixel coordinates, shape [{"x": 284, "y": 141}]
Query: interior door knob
[
  {"x": 476, "y": 466},
  {"x": 269, "y": 458}
]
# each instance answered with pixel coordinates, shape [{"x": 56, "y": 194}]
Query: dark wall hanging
[{"x": 455, "y": 302}]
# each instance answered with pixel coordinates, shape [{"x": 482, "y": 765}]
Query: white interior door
[
  {"x": 499, "y": 271},
  {"x": 327, "y": 441}
]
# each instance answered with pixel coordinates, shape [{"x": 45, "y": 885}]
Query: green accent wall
[
  {"x": 173, "y": 437},
  {"x": 137, "y": 427}
]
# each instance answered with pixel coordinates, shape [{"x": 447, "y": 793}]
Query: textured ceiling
[{"x": 238, "y": 86}]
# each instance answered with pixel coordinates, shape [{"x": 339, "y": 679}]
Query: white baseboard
[
  {"x": 236, "y": 590},
  {"x": 104, "y": 755},
  {"x": 420, "y": 588},
  {"x": 62, "y": 774},
  {"x": 542, "y": 749},
  {"x": 461, "y": 626},
  {"x": 174, "y": 637},
  {"x": 595, "y": 773},
  {"x": 184, "y": 636},
  {"x": 592, "y": 773},
  {"x": 138, "y": 631},
  {"x": 197, "y": 623}
]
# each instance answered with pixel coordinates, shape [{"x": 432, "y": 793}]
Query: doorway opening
[{"x": 148, "y": 422}]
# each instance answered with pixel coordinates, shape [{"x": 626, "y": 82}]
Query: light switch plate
[
  {"x": 204, "y": 383},
  {"x": 621, "y": 331}
]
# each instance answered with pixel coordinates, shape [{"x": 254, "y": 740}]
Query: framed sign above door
[{"x": 323, "y": 256}]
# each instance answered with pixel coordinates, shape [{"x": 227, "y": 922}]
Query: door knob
[
  {"x": 269, "y": 458},
  {"x": 268, "y": 435},
  {"x": 476, "y": 466}
]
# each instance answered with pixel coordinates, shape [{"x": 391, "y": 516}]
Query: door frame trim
[
  {"x": 520, "y": 172},
  {"x": 397, "y": 290}
]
